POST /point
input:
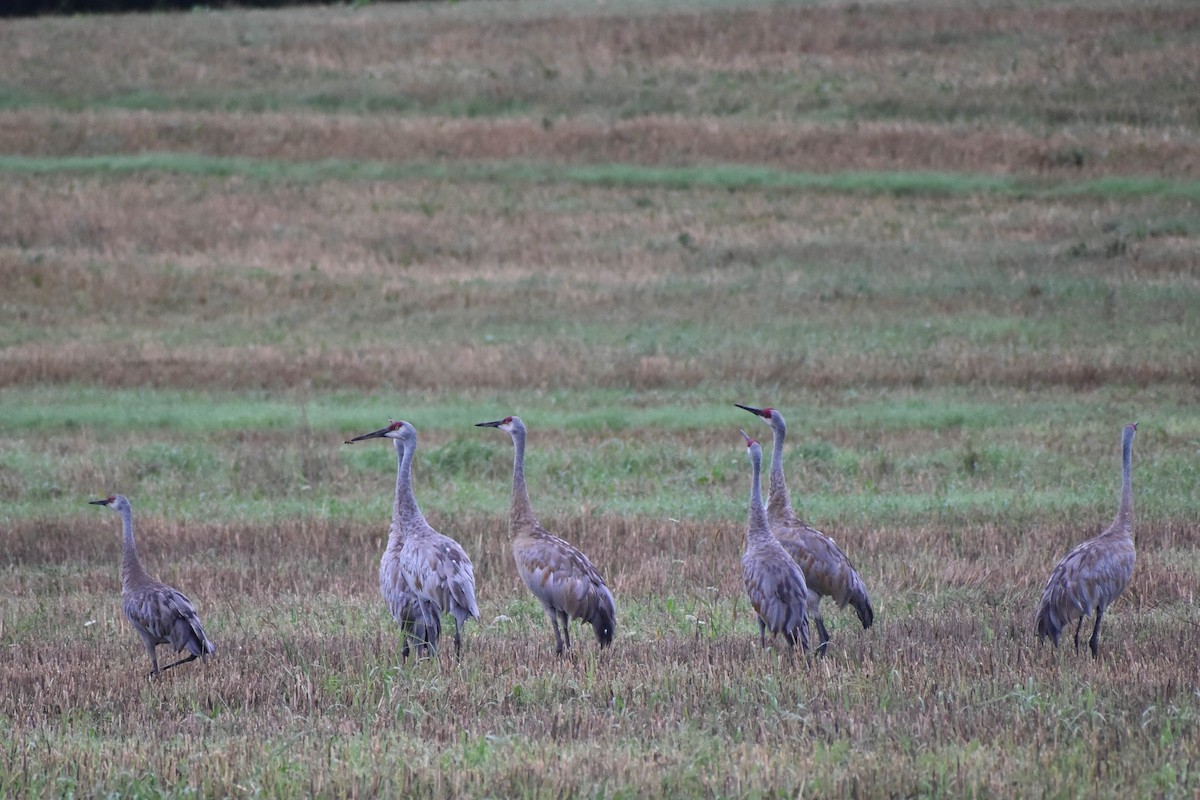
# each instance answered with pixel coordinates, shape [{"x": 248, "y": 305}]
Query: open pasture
[{"x": 955, "y": 246}]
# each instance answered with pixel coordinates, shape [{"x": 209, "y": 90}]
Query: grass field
[{"x": 955, "y": 244}]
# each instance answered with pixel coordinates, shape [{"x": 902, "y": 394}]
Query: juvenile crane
[
  {"x": 559, "y": 575},
  {"x": 1093, "y": 575},
  {"x": 159, "y": 613},
  {"x": 826, "y": 568},
  {"x": 422, "y": 573},
  {"x": 773, "y": 580}
]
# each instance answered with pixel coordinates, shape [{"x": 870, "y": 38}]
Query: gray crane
[
  {"x": 827, "y": 570},
  {"x": 419, "y": 618},
  {"x": 773, "y": 580},
  {"x": 1096, "y": 572},
  {"x": 418, "y": 560},
  {"x": 561, "y": 577},
  {"x": 159, "y": 613}
]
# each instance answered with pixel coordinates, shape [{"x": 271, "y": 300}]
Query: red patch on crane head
[
  {"x": 112, "y": 498},
  {"x": 395, "y": 425},
  {"x": 508, "y": 420}
]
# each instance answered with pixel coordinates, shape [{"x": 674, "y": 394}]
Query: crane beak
[
  {"x": 103, "y": 502},
  {"x": 751, "y": 409},
  {"x": 372, "y": 435},
  {"x": 495, "y": 424},
  {"x": 745, "y": 436}
]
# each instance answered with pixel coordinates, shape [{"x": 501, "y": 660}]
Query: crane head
[
  {"x": 394, "y": 430},
  {"x": 505, "y": 424},
  {"x": 762, "y": 412},
  {"x": 116, "y": 502},
  {"x": 750, "y": 442}
]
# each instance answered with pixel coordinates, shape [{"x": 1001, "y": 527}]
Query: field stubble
[
  {"x": 949, "y": 681},
  {"x": 451, "y": 212}
]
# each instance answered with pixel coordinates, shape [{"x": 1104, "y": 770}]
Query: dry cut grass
[{"x": 949, "y": 684}]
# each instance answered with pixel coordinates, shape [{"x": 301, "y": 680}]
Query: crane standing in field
[
  {"x": 160, "y": 614},
  {"x": 559, "y": 575},
  {"x": 422, "y": 573},
  {"x": 773, "y": 580},
  {"x": 827, "y": 570},
  {"x": 1094, "y": 574}
]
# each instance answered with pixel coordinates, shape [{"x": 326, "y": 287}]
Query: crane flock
[{"x": 787, "y": 566}]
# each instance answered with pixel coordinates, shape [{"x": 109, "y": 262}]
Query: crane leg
[
  {"x": 557, "y": 636},
  {"x": 762, "y": 633},
  {"x": 1077, "y": 628},
  {"x": 457, "y": 638},
  {"x": 191, "y": 657},
  {"x": 1094, "y": 642},
  {"x": 823, "y": 633},
  {"x": 566, "y": 628}
]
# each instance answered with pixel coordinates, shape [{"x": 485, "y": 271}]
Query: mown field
[{"x": 955, "y": 244}]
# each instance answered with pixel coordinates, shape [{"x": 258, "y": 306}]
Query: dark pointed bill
[
  {"x": 372, "y": 435},
  {"x": 751, "y": 409},
  {"x": 103, "y": 502},
  {"x": 746, "y": 436},
  {"x": 493, "y": 424}
]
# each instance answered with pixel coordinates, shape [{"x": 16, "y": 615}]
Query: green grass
[{"x": 624, "y": 176}]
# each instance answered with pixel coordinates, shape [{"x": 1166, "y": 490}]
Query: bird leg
[
  {"x": 1094, "y": 642},
  {"x": 457, "y": 638},
  {"x": 566, "y": 627},
  {"x": 1077, "y": 629},
  {"x": 557, "y": 636},
  {"x": 762, "y": 633},
  {"x": 824, "y": 634},
  {"x": 191, "y": 657}
]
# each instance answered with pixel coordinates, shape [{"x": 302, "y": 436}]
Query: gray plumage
[
  {"x": 827, "y": 570},
  {"x": 1096, "y": 572},
  {"x": 561, "y": 577},
  {"x": 773, "y": 580},
  {"x": 422, "y": 573},
  {"x": 159, "y": 613}
]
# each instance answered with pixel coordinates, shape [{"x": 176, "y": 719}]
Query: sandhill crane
[
  {"x": 1095, "y": 573},
  {"x": 773, "y": 580},
  {"x": 827, "y": 570},
  {"x": 559, "y": 575},
  {"x": 419, "y": 560},
  {"x": 159, "y": 613}
]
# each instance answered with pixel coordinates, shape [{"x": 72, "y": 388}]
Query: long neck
[
  {"x": 758, "y": 531},
  {"x": 132, "y": 573},
  {"x": 1124, "y": 519},
  {"x": 405, "y": 511},
  {"x": 520, "y": 511},
  {"x": 780, "y": 502}
]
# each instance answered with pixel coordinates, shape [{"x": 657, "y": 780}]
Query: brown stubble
[{"x": 291, "y": 284}]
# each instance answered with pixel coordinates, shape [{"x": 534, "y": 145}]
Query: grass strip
[{"x": 730, "y": 177}]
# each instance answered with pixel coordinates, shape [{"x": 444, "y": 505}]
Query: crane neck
[
  {"x": 520, "y": 510},
  {"x": 758, "y": 531},
  {"x": 778, "y": 500},
  {"x": 132, "y": 573},
  {"x": 1124, "y": 519},
  {"x": 405, "y": 511}
]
